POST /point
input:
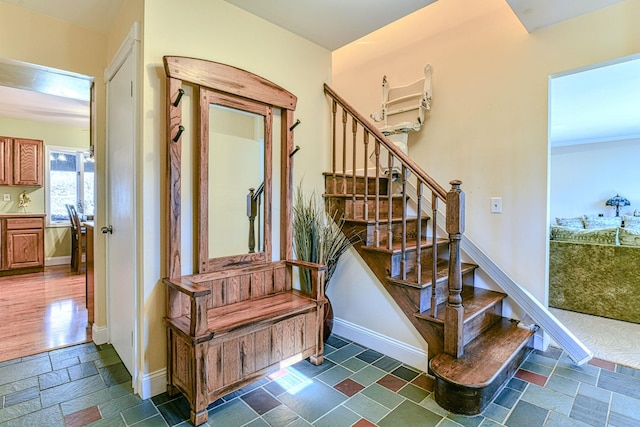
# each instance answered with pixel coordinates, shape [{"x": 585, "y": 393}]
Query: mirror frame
[
  {"x": 208, "y": 98},
  {"x": 243, "y": 87}
]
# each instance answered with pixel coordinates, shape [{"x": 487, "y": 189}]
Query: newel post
[{"x": 454, "y": 312}]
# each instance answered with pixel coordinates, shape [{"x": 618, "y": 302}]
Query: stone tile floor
[{"x": 356, "y": 386}]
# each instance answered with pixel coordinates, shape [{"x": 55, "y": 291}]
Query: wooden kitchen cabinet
[
  {"x": 21, "y": 162},
  {"x": 22, "y": 241}
]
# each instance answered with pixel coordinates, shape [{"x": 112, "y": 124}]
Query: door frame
[{"x": 129, "y": 47}]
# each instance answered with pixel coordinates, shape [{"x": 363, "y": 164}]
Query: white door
[{"x": 120, "y": 221}]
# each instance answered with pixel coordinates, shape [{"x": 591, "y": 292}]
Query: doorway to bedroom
[{"x": 594, "y": 144}]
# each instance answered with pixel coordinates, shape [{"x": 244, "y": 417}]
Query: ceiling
[{"x": 333, "y": 24}]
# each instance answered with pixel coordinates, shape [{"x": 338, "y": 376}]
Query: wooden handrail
[
  {"x": 397, "y": 153},
  {"x": 454, "y": 203}
]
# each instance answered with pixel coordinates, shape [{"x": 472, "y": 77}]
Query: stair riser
[
  {"x": 345, "y": 185},
  {"x": 482, "y": 322},
  {"x": 426, "y": 258},
  {"x": 396, "y": 232},
  {"x": 463, "y": 400},
  {"x": 345, "y": 205},
  {"x": 422, "y": 297}
]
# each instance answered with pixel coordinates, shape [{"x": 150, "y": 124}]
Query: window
[{"x": 70, "y": 180}]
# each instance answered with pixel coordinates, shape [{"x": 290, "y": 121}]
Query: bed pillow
[
  {"x": 593, "y": 222},
  {"x": 570, "y": 222},
  {"x": 602, "y": 236},
  {"x": 629, "y": 236},
  {"x": 631, "y": 221}
]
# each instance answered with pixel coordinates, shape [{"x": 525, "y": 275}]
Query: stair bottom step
[{"x": 468, "y": 384}]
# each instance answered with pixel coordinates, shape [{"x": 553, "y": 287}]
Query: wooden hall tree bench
[{"x": 239, "y": 316}]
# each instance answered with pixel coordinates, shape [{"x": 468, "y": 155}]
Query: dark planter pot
[{"x": 328, "y": 321}]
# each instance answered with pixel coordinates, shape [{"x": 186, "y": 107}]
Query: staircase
[{"x": 472, "y": 349}]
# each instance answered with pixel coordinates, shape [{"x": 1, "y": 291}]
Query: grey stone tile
[
  {"x": 410, "y": 414},
  {"x": 387, "y": 363},
  {"x": 334, "y": 375},
  {"x": 310, "y": 370},
  {"x": 175, "y": 411},
  {"x": 619, "y": 420},
  {"x": 540, "y": 359},
  {"x": 414, "y": 393},
  {"x": 367, "y": 408},
  {"x": 496, "y": 412},
  {"x": 620, "y": 383},
  {"x": 114, "y": 406},
  {"x": 18, "y": 410},
  {"x": 354, "y": 364},
  {"x": 431, "y": 405},
  {"x": 313, "y": 401},
  {"x": 527, "y": 414},
  {"x": 155, "y": 421},
  {"x": 467, "y": 421},
  {"x": 258, "y": 422},
  {"x": 82, "y": 370},
  {"x": 595, "y": 393},
  {"x": 517, "y": 384},
  {"x": 628, "y": 371},
  {"x": 72, "y": 390},
  {"x": 58, "y": 364},
  {"x": 18, "y": 385},
  {"x": 113, "y": 421},
  {"x": 369, "y": 356},
  {"x": 558, "y": 420},
  {"x": 339, "y": 417},
  {"x": 383, "y": 395},
  {"x": 80, "y": 351},
  {"x": 507, "y": 398},
  {"x": 53, "y": 379},
  {"x": 21, "y": 396},
  {"x": 548, "y": 399},
  {"x": 336, "y": 342},
  {"x": 368, "y": 375},
  {"x": 626, "y": 406},
  {"x": 85, "y": 401},
  {"x": 140, "y": 412},
  {"x": 9, "y": 362},
  {"x": 233, "y": 413},
  {"x": 563, "y": 385},
  {"x": 99, "y": 355},
  {"x": 115, "y": 374},
  {"x": 22, "y": 370},
  {"x": 537, "y": 368},
  {"x": 345, "y": 353},
  {"x": 589, "y": 411},
  {"x": 576, "y": 375},
  {"x": 280, "y": 416},
  {"x": 45, "y": 417}
]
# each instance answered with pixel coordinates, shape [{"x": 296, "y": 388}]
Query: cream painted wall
[
  {"x": 57, "y": 240},
  {"x": 216, "y": 30},
  {"x": 606, "y": 169},
  {"x": 488, "y": 123}
]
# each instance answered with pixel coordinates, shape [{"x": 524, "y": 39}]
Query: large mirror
[
  {"x": 237, "y": 134},
  {"x": 236, "y": 177}
]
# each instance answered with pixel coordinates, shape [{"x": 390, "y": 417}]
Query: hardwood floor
[{"x": 42, "y": 311}]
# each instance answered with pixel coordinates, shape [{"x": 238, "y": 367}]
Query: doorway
[
  {"x": 594, "y": 141},
  {"x": 54, "y": 106}
]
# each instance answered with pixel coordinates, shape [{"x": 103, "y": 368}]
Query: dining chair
[{"x": 78, "y": 239}]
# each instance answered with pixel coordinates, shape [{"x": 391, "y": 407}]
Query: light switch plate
[
  {"x": 496, "y": 205},
  {"x": 6, "y": 197}
]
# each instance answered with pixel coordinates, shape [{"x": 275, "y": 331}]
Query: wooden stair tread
[
  {"x": 360, "y": 196},
  {"x": 372, "y": 220},
  {"x": 485, "y": 357},
  {"x": 474, "y": 301},
  {"x": 229, "y": 317},
  {"x": 396, "y": 247},
  {"x": 442, "y": 274}
]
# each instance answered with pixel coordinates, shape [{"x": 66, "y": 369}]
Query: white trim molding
[
  {"x": 58, "y": 260},
  {"x": 99, "y": 334},
  {"x": 153, "y": 384},
  {"x": 405, "y": 353}
]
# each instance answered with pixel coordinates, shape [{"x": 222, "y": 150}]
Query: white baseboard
[
  {"x": 59, "y": 260},
  {"x": 99, "y": 334},
  {"x": 405, "y": 353},
  {"x": 152, "y": 384}
]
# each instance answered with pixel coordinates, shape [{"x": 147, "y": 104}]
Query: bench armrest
[
  {"x": 197, "y": 311},
  {"x": 317, "y": 276}
]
